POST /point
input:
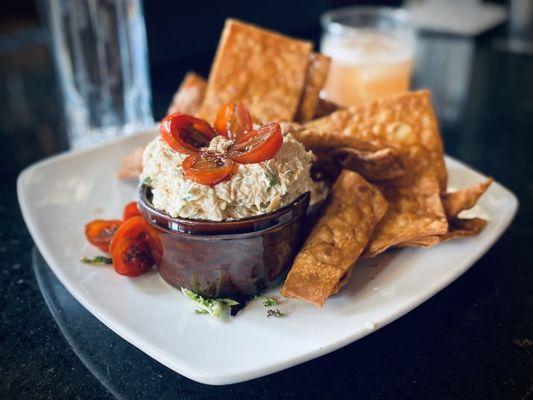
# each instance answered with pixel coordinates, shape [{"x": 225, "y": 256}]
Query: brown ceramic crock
[{"x": 229, "y": 258}]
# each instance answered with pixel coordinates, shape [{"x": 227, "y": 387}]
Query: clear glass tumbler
[
  {"x": 101, "y": 55},
  {"x": 372, "y": 52}
]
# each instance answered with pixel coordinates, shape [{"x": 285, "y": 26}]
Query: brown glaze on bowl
[{"x": 229, "y": 258}]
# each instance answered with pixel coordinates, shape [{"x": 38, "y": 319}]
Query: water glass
[{"x": 100, "y": 51}]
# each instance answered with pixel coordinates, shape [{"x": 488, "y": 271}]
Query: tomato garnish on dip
[
  {"x": 257, "y": 145},
  {"x": 130, "y": 210},
  {"x": 233, "y": 120},
  {"x": 208, "y": 167},
  {"x": 100, "y": 232},
  {"x": 186, "y": 134},
  {"x": 130, "y": 247}
]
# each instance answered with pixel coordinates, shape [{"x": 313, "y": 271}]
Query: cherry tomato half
[
  {"x": 186, "y": 134},
  {"x": 131, "y": 228},
  {"x": 208, "y": 167},
  {"x": 132, "y": 256},
  {"x": 233, "y": 120},
  {"x": 130, "y": 210},
  {"x": 257, "y": 145},
  {"x": 100, "y": 232}
]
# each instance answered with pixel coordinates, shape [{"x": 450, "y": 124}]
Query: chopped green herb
[
  {"x": 148, "y": 181},
  {"x": 267, "y": 301},
  {"x": 214, "y": 307},
  {"x": 97, "y": 260},
  {"x": 272, "y": 179},
  {"x": 275, "y": 313}
]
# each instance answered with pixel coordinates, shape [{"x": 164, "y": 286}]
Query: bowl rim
[{"x": 225, "y": 226}]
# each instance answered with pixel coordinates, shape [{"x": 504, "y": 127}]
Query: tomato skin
[
  {"x": 131, "y": 228},
  {"x": 208, "y": 167},
  {"x": 233, "y": 120},
  {"x": 130, "y": 210},
  {"x": 100, "y": 232},
  {"x": 185, "y": 133},
  {"x": 132, "y": 256},
  {"x": 257, "y": 145}
]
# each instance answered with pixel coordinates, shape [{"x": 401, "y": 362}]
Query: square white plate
[{"x": 59, "y": 195}]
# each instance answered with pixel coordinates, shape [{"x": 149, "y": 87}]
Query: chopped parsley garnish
[
  {"x": 97, "y": 260},
  {"x": 267, "y": 301},
  {"x": 275, "y": 313},
  {"x": 272, "y": 179},
  {"x": 148, "y": 181},
  {"x": 214, "y": 307}
]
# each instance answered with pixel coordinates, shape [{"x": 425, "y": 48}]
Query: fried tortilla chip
[
  {"x": 398, "y": 121},
  {"x": 426, "y": 242},
  {"x": 415, "y": 207},
  {"x": 454, "y": 203},
  {"x": 465, "y": 199},
  {"x": 375, "y": 166},
  {"x": 352, "y": 210},
  {"x": 324, "y": 108},
  {"x": 406, "y": 123},
  {"x": 375, "y": 163},
  {"x": 463, "y": 228},
  {"x": 263, "y": 70},
  {"x": 316, "y": 75},
  {"x": 131, "y": 165},
  {"x": 189, "y": 96}
]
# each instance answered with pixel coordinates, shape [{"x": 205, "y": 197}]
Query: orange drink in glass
[{"x": 372, "y": 51}]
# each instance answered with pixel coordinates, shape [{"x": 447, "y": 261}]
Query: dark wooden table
[{"x": 473, "y": 340}]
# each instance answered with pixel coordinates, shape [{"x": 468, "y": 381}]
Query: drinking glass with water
[{"x": 100, "y": 51}]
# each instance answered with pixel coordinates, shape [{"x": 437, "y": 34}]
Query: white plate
[{"x": 59, "y": 195}]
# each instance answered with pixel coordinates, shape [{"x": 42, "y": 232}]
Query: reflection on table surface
[{"x": 124, "y": 370}]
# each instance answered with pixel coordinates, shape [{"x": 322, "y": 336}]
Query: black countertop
[{"x": 472, "y": 340}]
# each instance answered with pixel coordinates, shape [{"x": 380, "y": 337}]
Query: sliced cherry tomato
[
  {"x": 186, "y": 134},
  {"x": 100, "y": 232},
  {"x": 233, "y": 120},
  {"x": 132, "y": 256},
  {"x": 208, "y": 167},
  {"x": 257, "y": 145},
  {"x": 130, "y": 210},
  {"x": 131, "y": 228}
]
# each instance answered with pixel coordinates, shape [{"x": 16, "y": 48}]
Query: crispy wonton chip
[
  {"x": 324, "y": 108},
  {"x": 261, "y": 69},
  {"x": 463, "y": 228},
  {"x": 465, "y": 199},
  {"x": 406, "y": 123},
  {"x": 375, "y": 163},
  {"x": 426, "y": 242},
  {"x": 131, "y": 165},
  {"x": 353, "y": 209},
  {"x": 189, "y": 96},
  {"x": 415, "y": 207},
  {"x": 399, "y": 121},
  {"x": 454, "y": 203},
  {"x": 316, "y": 75}
]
